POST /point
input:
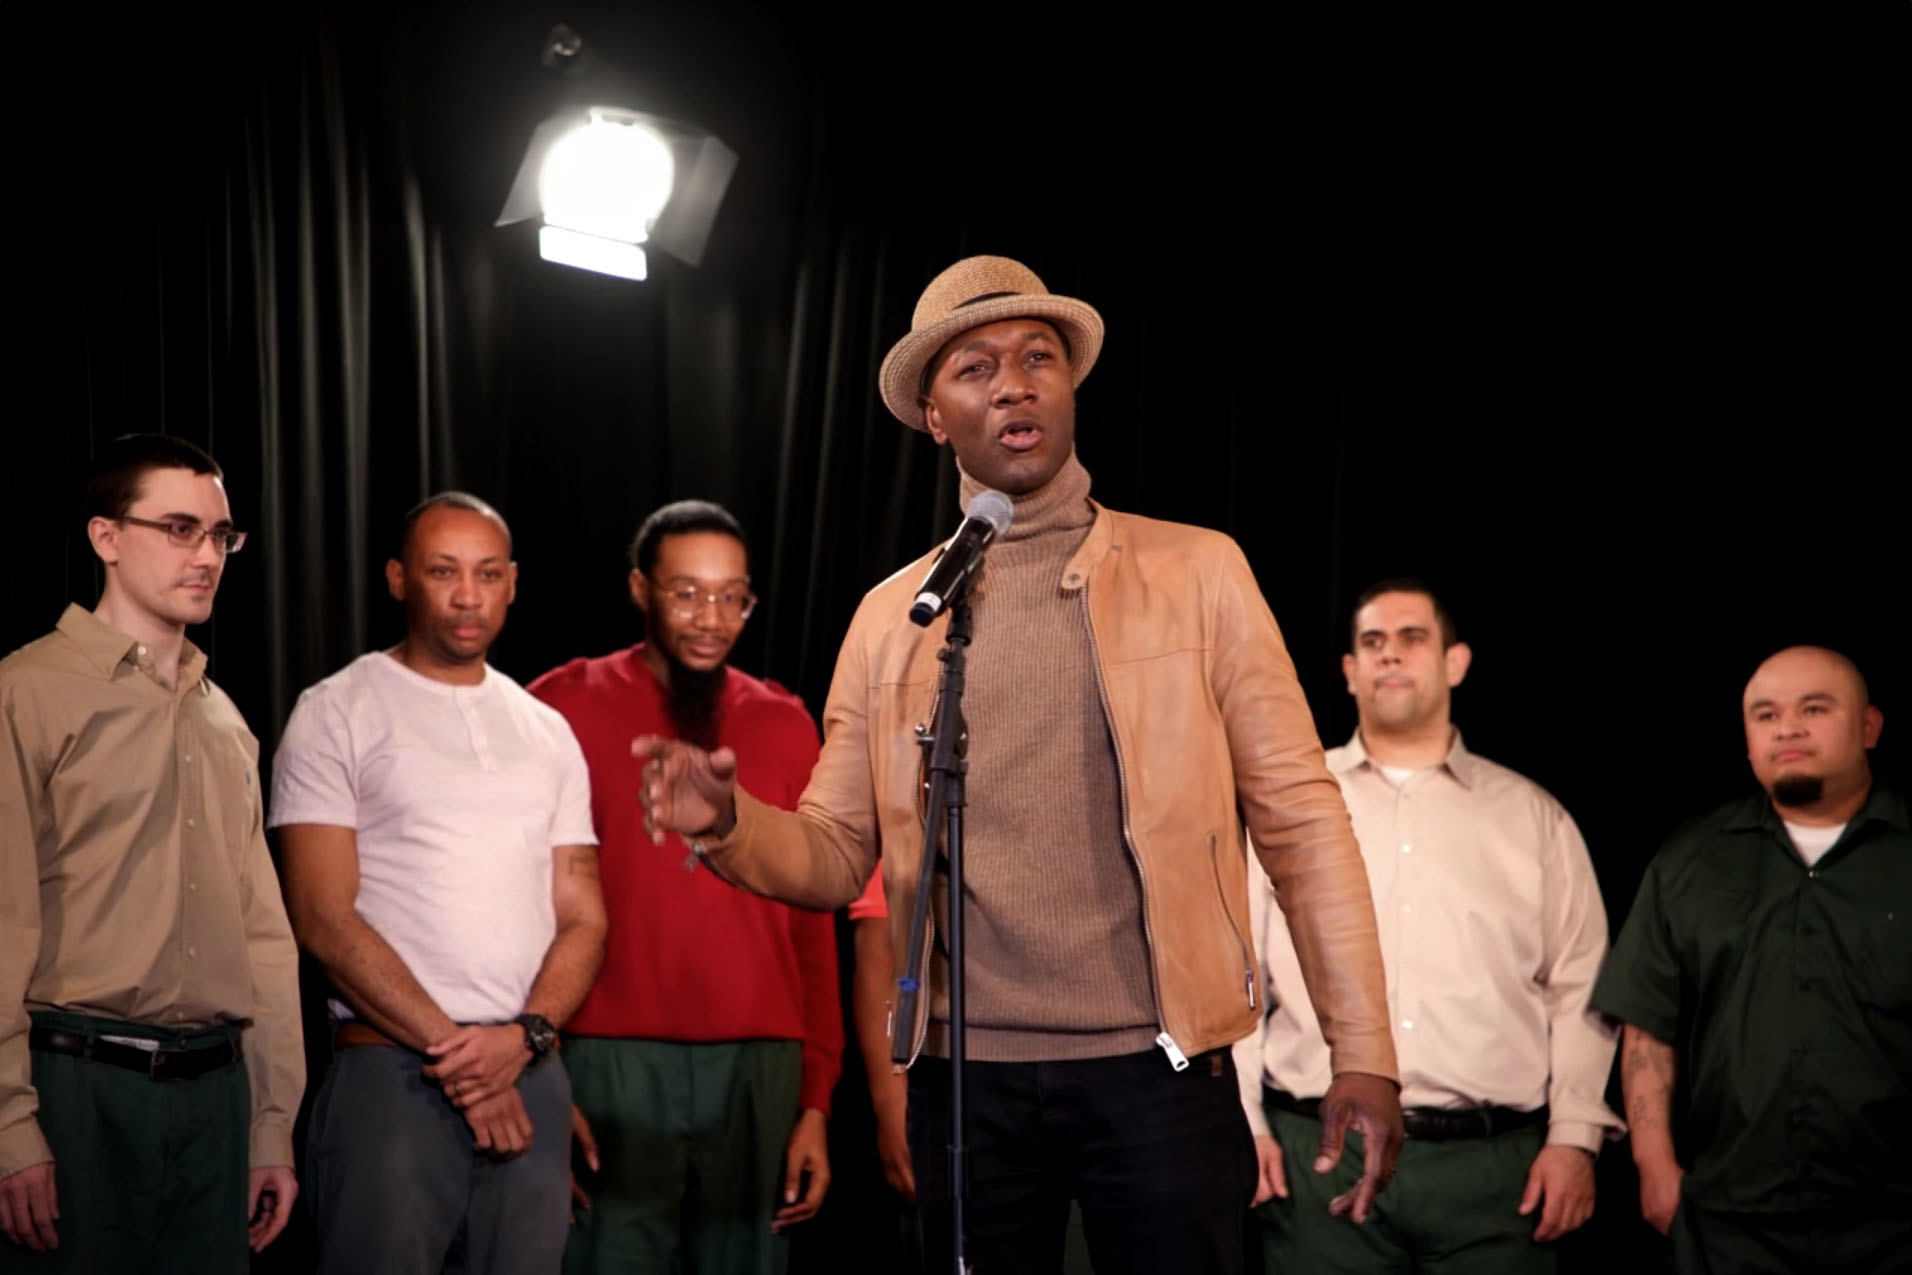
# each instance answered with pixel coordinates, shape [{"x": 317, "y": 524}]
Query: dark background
[{"x": 1600, "y": 326}]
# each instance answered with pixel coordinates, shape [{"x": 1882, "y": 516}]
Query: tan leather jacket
[{"x": 1211, "y": 729}]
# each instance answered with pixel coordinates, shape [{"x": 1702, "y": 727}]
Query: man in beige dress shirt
[
  {"x": 1492, "y": 931},
  {"x": 150, "y": 1053}
]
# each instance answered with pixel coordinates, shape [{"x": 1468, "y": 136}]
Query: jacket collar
[{"x": 1095, "y": 546}]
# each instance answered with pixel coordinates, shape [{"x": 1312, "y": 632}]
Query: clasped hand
[
  {"x": 476, "y": 1064},
  {"x": 479, "y": 1069}
]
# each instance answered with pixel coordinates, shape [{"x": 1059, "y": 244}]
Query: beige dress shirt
[
  {"x": 134, "y": 877},
  {"x": 1492, "y": 932}
]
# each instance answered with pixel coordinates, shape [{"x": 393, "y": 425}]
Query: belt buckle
[{"x": 160, "y": 1059}]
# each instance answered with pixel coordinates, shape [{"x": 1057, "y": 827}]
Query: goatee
[
  {"x": 1798, "y": 791},
  {"x": 693, "y": 698}
]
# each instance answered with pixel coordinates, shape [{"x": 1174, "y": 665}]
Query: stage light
[
  {"x": 609, "y": 181},
  {"x": 602, "y": 185}
]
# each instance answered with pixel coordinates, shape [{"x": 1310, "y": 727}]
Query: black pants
[
  {"x": 1870, "y": 1239},
  {"x": 1160, "y": 1162}
]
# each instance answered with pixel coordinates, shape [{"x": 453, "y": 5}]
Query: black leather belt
[
  {"x": 159, "y": 1064},
  {"x": 1431, "y": 1124}
]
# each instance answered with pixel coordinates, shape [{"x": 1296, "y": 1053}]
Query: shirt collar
[
  {"x": 1461, "y": 764},
  {"x": 107, "y": 649},
  {"x": 1882, "y": 805},
  {"x": 104, "y": 646}
]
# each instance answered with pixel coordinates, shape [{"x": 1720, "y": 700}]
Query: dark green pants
[
  {"x": 1860, "y": 1241},
  {"x": 691, "y": 1141},
  {"x": 150, "y": 1174},
  {"x": 1452, "y": 1207}
]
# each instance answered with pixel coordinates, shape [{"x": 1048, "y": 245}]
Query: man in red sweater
[{"x": 702, "y": 1060}]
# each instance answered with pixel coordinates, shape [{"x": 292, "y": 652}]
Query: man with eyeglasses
[
  {"x": 704, "y": 1056},
  {"x": 150, "y": 1053}
]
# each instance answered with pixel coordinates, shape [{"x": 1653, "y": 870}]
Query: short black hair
[
  {"x": 1402, "y": 584},
  {"x": 682, "y": 518},
  {"x": 117, "y": 473},
  {"x": 446, "y": 500}
]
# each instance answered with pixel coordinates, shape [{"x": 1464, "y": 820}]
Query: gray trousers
[{"x": 397, "y": 1188}]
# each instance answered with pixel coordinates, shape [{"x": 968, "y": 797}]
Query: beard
[
  {"x": 1798, "y": 790},
  {"x": 693, "y": 698}
]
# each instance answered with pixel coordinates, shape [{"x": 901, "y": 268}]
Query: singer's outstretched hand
[{"x": 685, "y": 789}]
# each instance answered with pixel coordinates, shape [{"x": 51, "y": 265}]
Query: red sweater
[{"x": 686, "y": 956}]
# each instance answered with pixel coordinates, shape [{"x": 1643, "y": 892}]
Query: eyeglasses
[
  {"x": 186, "y": 534},
  {"x": 685, "y": 601}
]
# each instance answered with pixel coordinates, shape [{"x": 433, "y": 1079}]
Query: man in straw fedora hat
[{"x": 1129, "y": 700}]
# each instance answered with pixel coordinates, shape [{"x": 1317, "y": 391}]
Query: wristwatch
[{"x": 540, "y": 1037}]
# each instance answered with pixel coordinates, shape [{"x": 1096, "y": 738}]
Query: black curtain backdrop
[{"x": 1598, "y": 327}]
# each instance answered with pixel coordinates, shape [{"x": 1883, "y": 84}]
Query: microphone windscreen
[{"x": 992, "y": 507}]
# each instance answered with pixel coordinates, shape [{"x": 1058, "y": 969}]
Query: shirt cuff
[
  {"x": 818, "y": 1081},
  {"x": 271, "y": 1142},
  {"x": 22, "y": 1147},
  {"x": 1573, "y": 1133}
]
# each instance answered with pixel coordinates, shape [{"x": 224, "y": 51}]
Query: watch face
[{"x": 538, "y": 1033}]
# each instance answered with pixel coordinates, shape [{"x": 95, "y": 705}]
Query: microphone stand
[{"x": 945, "y": 745}]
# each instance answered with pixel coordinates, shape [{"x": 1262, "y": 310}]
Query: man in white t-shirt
[
  {"x": 440, "y": 865},
  {"x": 1492, "y": 931}
]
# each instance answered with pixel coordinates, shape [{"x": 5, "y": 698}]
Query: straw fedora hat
[{"x": 974, "y": 292}]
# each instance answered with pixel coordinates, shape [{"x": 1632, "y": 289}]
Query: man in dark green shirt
[{"x": 1767, "y": 968}]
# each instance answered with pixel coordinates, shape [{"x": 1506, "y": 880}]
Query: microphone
[{"x": 986, "y": 518}]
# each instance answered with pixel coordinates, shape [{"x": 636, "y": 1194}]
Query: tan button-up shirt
[
  {"x": 134, "y": 877},
  {"x": 1492, "y": 932}
]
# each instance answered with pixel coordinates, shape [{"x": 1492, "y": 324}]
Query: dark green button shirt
[{"x": 1787, "y": 992}]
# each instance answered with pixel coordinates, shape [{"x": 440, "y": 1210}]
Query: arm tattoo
[
  {"x": 582, "y": 863},
  {"x": 1647, "y": 1068}
]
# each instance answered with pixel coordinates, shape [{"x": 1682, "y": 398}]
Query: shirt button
[
  {"x": 192, "y": 951},
  {"x": 1814, "y": 874},
  {"x": 1407, "y": 909},
  {"x": 1407, "y": 1024},
  {"x": 192, "y": 887},
  {"x": 142, "y": 650},
  {"x": 189, "y": 756},
  {"x": 1407, "y": 849},
  {"x": 192, "y": 823}
]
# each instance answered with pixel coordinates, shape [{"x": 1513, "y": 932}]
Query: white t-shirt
[
  {"x": 1811, "y": 842},
  {"x": 458, "y": 795}
]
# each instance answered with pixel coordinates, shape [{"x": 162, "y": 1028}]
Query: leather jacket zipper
[
  {"x": 1165, "y": 1040},
  {"x": 1247, "y": 955}
]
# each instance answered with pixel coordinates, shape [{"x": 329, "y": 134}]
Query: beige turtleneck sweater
[{"x": 1058, "y": 959}]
